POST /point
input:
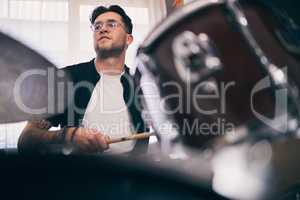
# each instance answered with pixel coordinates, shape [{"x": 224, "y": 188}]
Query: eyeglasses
[{"x": 111, "y": 25}]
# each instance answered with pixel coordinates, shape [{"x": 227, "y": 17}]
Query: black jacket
[{"x": 84, "y": 78}]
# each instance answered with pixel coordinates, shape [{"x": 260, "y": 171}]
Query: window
[{"x": 3, "y": 9}]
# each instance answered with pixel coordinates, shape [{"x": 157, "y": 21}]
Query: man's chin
[
  {"x": 104, "y": 46},
  {"x": 108, "y": 52}
]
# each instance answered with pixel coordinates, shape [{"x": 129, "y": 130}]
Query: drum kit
[{"x": 220, "y": 86}]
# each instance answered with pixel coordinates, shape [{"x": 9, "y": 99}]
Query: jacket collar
[{"x": 92, "y": 63}]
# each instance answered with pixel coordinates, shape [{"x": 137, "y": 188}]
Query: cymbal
[{"x": 28, "y": 83}]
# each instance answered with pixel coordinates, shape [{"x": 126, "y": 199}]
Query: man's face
[{"x": 111, "y": 41}]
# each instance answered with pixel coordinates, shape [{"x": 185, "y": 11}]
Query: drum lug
[
  {"x": 145, "y": 60},
  {"x": 195, "y": 57}
]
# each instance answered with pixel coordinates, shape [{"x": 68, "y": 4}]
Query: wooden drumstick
[{"x": 138, "y": 136}]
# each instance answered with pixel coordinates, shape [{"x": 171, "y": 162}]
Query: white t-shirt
[{"x": 108, "y": 113}]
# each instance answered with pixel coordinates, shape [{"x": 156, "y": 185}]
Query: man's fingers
[
  {"x": 95, "y": 144},
  {"x": 82, "y": 141},
  {"x": 87, "y": 146},
  {"x": 107, "y": 138},
  {"x": 90, "y": 140},
  {"x": 102, "y": 142},
  {"x": 100, "y": 139}
]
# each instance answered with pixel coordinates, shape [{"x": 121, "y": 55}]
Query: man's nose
[{"x": 104, "y": 29}]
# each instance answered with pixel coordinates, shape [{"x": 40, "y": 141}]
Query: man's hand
[{"x": 87, "y": 140}]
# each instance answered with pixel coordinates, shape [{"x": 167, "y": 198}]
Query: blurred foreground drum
[
  {"x": 94, "y": 177},
  {"x": 220, "y": 68},
  {"x": 30, "y": 85},
  {"x": 227, "y": 71}
]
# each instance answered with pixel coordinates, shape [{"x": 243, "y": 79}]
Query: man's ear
[{"x": 129, "y": 39}]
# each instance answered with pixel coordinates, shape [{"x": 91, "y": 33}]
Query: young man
[{"x": 103, "y": 96}]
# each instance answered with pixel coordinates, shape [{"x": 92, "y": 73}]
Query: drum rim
[{"x": 171, "y": 20}]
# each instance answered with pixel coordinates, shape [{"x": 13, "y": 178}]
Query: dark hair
[{"x": 113, "y": 8}]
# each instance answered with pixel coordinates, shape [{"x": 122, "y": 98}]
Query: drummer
[{"x": 103, "y": 104}]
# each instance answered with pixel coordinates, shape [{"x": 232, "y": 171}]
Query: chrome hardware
[{"x": 194, "y": 57}]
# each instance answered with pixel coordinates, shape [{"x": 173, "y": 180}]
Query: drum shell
[{"x": 240, "y": 66}]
